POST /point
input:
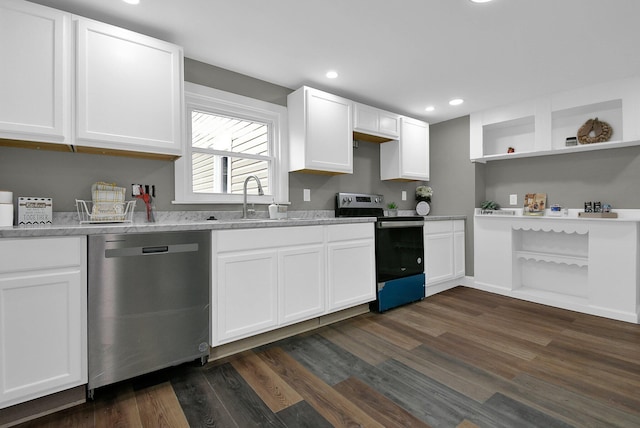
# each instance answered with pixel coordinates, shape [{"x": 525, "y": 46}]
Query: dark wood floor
[{"x": 463, "y": 358}]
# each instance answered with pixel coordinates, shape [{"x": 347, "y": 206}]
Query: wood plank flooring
[{"x": 463, "y": 358}]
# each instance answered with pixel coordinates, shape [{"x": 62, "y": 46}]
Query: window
[{"x": 228, "y": 139}]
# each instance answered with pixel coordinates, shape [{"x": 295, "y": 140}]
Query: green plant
[
  {"x": 392, "y": 206},
  {"x": 489, "y": 205}
]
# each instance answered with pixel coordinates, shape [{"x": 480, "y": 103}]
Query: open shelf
[
  {"x": 517, "y": 133},
  {"x": 553, "y": 258},
  {"x": 540, "y": 127},
  {"x": 561, "y": 151},
  {"x": 565, "y": 123}
]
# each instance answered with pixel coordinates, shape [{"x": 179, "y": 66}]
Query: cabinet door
[
  {"x": 351, "y": 268},
  {"x": 245, "y": 299},
  {"x": 365, "y": 119},
  {"x": 373, "y": 121},
  {"x": 42, "y": 312},
  {"x": 438, "y": 251},
  {"x": 35, "y": 75},
  {"x": 439, "y": 257},
  {"x": 408, "y": 157},
  {"x": 128, "y": 89},
  {"x": 301, "y": 283},
  {"x": 329, "y": 132},
  {"x": 320, "y": 132},
  {"x": 414, "y": 149},
  {"x": 389, "y": 124},
  {"x": 458, "y": 249}
]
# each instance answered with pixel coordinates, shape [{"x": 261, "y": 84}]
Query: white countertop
[{"x": 624, "y": 215}]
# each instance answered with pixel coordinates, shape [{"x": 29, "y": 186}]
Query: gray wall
[
  {"x": 453, "y": 176},
  {"x": 609, "y": 176}
]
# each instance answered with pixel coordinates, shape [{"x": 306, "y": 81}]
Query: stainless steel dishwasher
[{"x": 148, "y": 303}]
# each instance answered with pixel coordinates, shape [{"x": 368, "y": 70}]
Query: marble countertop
[{"x": 66, "y": 224}]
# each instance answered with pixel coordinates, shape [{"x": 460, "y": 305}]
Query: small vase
[{"x": 392, "y": 213}]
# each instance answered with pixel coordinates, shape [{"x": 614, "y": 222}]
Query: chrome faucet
[{"x": 260, "y": 192}]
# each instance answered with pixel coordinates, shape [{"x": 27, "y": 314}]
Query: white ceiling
[{"x": 398, "y": 55}]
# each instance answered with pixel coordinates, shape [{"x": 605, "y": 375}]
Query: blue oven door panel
[{"x": 397, "y": 292}]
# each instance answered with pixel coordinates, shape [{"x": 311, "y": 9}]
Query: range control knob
[{"x": 346, "y": 199}]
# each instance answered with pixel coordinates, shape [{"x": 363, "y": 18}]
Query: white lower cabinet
[
  {"x": 43, "y": 308},
  {"x": 351, "y": 265},
  {"x": 443, "y": 251},
  {"x": 268, "y": 278},
  {"x": 246, "y": 298},
  {"x": 301, "y": 283}
]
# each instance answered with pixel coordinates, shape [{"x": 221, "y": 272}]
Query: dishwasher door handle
[
  {"x": 150, "y": 251},
  {"x": 153, "y": 250}
]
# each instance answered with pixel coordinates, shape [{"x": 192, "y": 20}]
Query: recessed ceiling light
[
  {"x": 480, "y": 1},
  {"x": 332, "y": 74},
  {"x": 456, "y": 101},
  {"x": 131, "y": 1},
  {"x": 430, "y": 108}
]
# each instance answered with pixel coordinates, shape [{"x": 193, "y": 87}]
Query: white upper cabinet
[
  {"x": 540, "y": 127},
  {"x": 80, "y": 82},
  {"x": 35, "y": 72},
  {"x": 320, "y": 132},
  {"x": 408, "y": 157},
  {"x": 372, "y": 121},
  {"x": 128, "y": 90}
]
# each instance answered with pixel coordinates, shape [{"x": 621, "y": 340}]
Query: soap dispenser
[{"x": 273, "y": 210}]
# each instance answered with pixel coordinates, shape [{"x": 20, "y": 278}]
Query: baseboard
[
  {"x": 39, "y": 407},
  {"x": 242, "y": 345},
  {"x": 447, "y": 285}
]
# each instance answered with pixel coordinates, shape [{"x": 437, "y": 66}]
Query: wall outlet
[
  {"x": 306, "y": 195},
  {"x": 404, "y": 195},
  {"x": 513, "y": 199}
]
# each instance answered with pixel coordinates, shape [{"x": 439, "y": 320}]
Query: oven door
[{"x": 399, "y": 249}]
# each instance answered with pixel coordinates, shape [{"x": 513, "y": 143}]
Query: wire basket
[{"x": 105, "y": 212}]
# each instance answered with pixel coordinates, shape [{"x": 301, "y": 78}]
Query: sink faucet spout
[{"x": 244, "y": 191}]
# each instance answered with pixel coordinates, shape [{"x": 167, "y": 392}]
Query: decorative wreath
[{"x": 594, "y": 131}]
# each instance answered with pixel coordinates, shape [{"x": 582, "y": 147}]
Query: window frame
[{"x": 206, "y": 99}]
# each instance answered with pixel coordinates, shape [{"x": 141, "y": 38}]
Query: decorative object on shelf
[
  {"x": 597, "y": 209},
  {"x": 423, "y": 208},
  {"x": 588, "y": 207},
  {"x": 535, "y": 204},
  {"x": 598, "y": 215},
  {"x": 424, "y": 193},
  {"x": 34, "y": 211},
  {"x": 423, "y": 196},
  {"x": 571, "y": 141},
  {"x": 594, "y": 131},
  {"x": 556, "y": 211},
  {"x": 487, "y": 206},
  {"x": 511, "y": 150},
  {"x": 392, "y": 209}
]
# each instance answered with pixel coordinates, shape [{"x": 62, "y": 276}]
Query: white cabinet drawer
[
  {"x": 43, "y": 253},
  {"x": 346, "y": 232},
  {"x": 253, "y": 239},
  {"x": 445, "y": 226}
]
